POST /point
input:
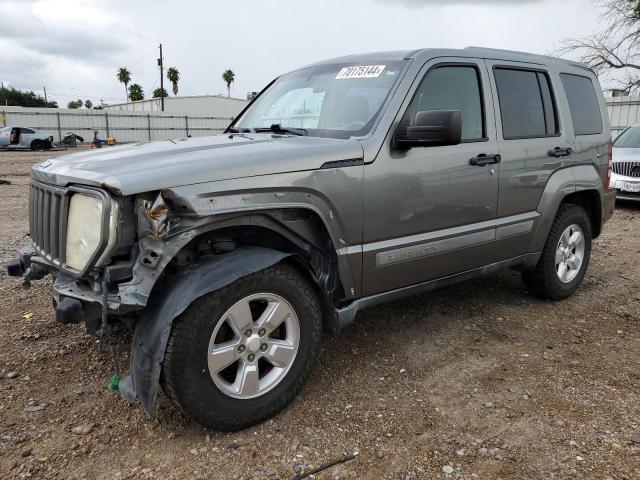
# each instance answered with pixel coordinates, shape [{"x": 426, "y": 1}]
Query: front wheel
[
  {"x": 565, "y": 257},
  {"x": 239, "y": 355}
]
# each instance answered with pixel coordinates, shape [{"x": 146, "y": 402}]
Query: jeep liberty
[{"x": 342, "y": 185}]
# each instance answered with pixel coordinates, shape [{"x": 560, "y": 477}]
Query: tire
[
  {"x": 36, "y": 144},
  {"x": 544, "y": 280},
  {"x": 209, "y": 398}
]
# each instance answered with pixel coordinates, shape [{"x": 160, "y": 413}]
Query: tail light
[{"x": 610, "y": 166}]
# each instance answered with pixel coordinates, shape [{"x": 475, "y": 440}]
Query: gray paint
[{"x": 398, "y": 219}]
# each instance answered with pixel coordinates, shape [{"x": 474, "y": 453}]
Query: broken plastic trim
[{"x": 169, "y": 300}]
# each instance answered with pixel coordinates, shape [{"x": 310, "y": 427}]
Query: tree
[
  {"x": 88, "y": 104},
  {"x": 229, "y": 77},
  {"x": 157, "y": 93},
  {"x": 136, "y": 92},
  {"x": 13, "y": 97},
  {"x": 173, "y": 75},
  {"x": 75, "y": 104},
  {"x": 124, "y": 76},
  {"x": 616, "y": 49}
]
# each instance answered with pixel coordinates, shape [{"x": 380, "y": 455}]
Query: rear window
[
  {"x": 583, "y": 103},
  {"x": 526, "y": 103},
  {"x": 630, "y": 138}
]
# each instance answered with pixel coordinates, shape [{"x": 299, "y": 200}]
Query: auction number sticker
[{"x": 360, "y": 71}]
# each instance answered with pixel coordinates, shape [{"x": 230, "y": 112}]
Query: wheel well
[
  {"x": 590, "y": 201},
  {"x": 299, "y": 232}
]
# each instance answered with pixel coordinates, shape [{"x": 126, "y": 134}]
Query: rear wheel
[
  {"x": 565, "y": 257},
  {"x": 239, "y": 355}
]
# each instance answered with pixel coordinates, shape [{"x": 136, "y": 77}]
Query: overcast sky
[{"x": 75, "y": 47}]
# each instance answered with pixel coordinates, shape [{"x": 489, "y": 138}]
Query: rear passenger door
[{"x": 533, "y": 143}]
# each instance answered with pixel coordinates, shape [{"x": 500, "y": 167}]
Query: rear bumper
[{"x": 608, "y": 203}]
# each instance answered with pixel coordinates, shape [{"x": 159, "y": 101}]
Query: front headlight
[{"x": 84, "y": 230}]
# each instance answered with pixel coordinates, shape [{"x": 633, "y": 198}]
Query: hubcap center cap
[{"x": 253, "y": 344}]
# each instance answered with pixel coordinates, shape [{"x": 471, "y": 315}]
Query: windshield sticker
[{"x": 360, "y": 71}]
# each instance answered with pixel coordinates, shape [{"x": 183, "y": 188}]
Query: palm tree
[
  {"x": 173, "y": 75},
  {"x": 229, "y": 77},
  {"x": 160, "y": 92},
  {"x": 124, "y": 76},
  {"x": 136, "y": 92}
]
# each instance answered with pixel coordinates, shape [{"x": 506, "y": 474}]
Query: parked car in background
[
  {"x": 343, "y": 185},
  {"x": 23, "y": 137},
  {"x": 626, "y": 164}
]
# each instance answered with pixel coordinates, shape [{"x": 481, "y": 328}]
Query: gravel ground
[{"x": 479, "y": 380}]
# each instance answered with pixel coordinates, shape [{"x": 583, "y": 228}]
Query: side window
[
  {"x": 26, "y": 130},
  {"x": 583, "y": 103},
  {"x": 526, "y": 103},
  {"x": 452, "y": 88}
]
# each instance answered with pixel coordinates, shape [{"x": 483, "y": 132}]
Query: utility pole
[
  {"x": 161, "y": 80},
  {"x": 45, "y": 94}
]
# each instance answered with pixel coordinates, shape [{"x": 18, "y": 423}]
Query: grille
[
  {"x": 628, "y": 169},
  {"x": 46, "y": 208}
]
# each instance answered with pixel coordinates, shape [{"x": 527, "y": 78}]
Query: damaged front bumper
[{"x": 75, "y": 300}]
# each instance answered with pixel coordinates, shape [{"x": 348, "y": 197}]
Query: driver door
[{"x": 428, "y": 212}]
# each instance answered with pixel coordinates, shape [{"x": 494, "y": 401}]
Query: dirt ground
[{"x": 480, "y": 379}]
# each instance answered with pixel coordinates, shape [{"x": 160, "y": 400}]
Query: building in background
[
  {"x": 624, "y": 111},
  {"x": 197, "y": 105}
]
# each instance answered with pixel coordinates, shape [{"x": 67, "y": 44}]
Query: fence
[
  {"x": 623, "y": 112},
  {"x": 124, "y": 127}
]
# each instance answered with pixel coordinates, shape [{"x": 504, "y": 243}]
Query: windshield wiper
[{"x": 277, "y": 128}]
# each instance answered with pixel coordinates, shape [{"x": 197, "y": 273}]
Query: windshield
[
  {"x": 5, "y": 130},
  {"x": 340, "y": 100},
  {"x": 630, "y": 138}
]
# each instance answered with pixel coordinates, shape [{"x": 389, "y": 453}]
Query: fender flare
[
  {"x": 562, "y": 183},
  {"x": 172, "y": 298}
]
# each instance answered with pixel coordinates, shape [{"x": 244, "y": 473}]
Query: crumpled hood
[{"x": 145, "y": 167}]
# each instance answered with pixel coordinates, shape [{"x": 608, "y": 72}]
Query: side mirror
[{"x": 431, "y": 128}]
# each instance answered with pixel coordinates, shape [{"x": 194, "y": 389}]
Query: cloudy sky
[{"x": 74, "y": 47}]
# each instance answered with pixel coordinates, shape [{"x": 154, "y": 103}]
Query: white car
[
  {"x": 626, "y": 164},
  {"x": 22, "y": 137}
]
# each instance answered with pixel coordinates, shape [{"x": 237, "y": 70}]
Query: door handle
[
  {"x": 483, "y": 160},
  {"x": 560, "y": 152}
]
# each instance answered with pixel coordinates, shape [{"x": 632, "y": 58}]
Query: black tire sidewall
[
  {"x": 205, "y": 398},
  {"x": 573, "y": 215}
]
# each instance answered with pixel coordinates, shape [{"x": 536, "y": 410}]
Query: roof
[
  {"x": 177, "y": 97},
  {"x": 475, "y": 52}
]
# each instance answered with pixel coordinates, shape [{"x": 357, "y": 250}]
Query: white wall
[
  {"x": 623, "y": 112},
  {"x": 125, "y": 126}
]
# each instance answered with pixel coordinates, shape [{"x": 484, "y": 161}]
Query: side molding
[{"x": 172, "y": 298}]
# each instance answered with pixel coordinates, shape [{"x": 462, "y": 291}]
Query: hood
[
  {"x": 626, "y": 154},
  {"x": 145, "y": 167}
]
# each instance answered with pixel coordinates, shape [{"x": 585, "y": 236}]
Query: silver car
[
  {"x": 626, "y": 164},
  {"x": 23, "y": 137}
]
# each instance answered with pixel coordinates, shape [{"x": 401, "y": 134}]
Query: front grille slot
[
  {"x": 627, "y": 169},
  {"x": 46, "y": 209}
]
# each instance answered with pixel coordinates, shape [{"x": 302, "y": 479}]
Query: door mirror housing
[{"x": 431, "y": 128}]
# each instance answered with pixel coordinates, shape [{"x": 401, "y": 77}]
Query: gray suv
[{"x": 343, "y": 185}]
